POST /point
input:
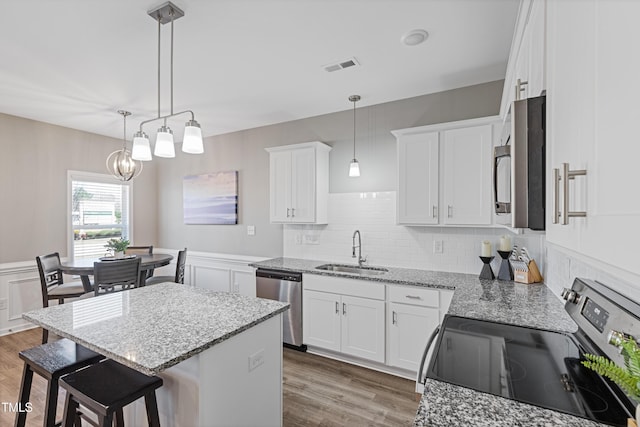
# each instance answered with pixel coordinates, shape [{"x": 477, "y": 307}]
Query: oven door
[{"x": 533, "y": 366}]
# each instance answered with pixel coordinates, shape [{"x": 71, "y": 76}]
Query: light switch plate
[
  {"x": 251, "y": 230},
  {"x": 438, "y": 247}
]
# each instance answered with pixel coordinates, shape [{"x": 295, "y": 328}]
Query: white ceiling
[{"x": 239, "y": 64}]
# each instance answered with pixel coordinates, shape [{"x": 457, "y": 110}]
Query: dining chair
[
  {"x": 178, "y": 277},
  {"x": 114, "y": 276},
  {"x": 141, "y": 250},
  {"x": 52, "y": 284}
]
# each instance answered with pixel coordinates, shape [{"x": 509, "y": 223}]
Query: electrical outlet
[
  {"x": 251, "y": 230},
  {"x": 256, "y": 360},
  {"x": 298, "y": 239},
  {"x": 3, "y": 303},
  {"x": 437, "y": 247}
]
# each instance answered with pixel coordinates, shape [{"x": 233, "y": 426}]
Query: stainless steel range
[{"x": 542, "y": 367}]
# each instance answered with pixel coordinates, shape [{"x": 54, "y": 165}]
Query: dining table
[{"x": 83, "y": 267}]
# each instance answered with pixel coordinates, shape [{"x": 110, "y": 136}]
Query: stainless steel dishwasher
[{"x": 284, "y": 286}]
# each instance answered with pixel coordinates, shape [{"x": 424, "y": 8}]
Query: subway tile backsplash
[{"x": 385, "y": 243}]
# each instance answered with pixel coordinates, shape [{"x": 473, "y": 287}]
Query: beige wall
[
  {"x": 244, "y": 151},
  {"x": 34, "y": 160}
]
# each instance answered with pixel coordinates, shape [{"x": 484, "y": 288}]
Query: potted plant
[
  {"x": 117, "y": 246},
  {"x": 627, "y": 377}
]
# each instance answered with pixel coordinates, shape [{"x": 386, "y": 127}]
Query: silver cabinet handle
[
  {"x": 337, "y": 307},
  {"x": 520, "y": 88},
  {"x": 293, "y": 212},
  {"x": 556, "y": 195},
  {"x": 566, "y": 175},
  {"x": 288, "y": 212},
  {"x": 413, "y": 296},
  {"x": 394, "y": 318},
  {"x": 449, "y": 211},
  {"x": 434, "y": 211},
  {"x": 344, "y": 308}
]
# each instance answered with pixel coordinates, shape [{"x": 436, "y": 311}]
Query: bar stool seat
[
  {"x": 107, "y": 387},
  {"x": 51, "y": 361}
]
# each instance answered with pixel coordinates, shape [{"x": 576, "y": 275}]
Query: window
[{"x": 99, "y": 209}]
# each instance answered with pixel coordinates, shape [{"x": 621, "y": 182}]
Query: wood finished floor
[{"x": 317, "y": 391}]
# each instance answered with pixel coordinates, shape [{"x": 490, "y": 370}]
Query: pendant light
[
  {"x": 164, "y": 147},
  {"x": 354, "y": 166},
  {"x": 120, "y": 163}
]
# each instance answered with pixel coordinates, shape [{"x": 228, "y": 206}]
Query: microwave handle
[
  {"x": 433, "y": 336},
  {"x": 498, "y": 153}
]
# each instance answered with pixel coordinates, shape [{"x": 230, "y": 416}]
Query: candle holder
[
  {"x": 487, "y": 272},
  {"x": 505, "y": 273}
]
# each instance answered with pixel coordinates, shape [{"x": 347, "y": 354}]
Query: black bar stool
[
  {"x": 51, "y": 361},
  {"x": 107, "y": 387}
]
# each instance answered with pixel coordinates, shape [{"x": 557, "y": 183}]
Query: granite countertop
[
  {"x": 155, "y": 327},
  {"x": 445, "y": 404}
]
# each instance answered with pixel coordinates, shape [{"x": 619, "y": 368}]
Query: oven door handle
[{"x": 433, "y": 336}]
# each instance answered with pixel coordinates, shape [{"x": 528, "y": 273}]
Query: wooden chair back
[
  {"x": 50, "y": 274},
  {"x": 139, "y": 250},
  {"x": 114, "y": 276},
  {"x": 180, "y": 265}
]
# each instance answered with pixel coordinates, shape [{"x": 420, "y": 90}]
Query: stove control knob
[
  {"x": 570, "y": 295},
  {"x": 565, "y": 293}
]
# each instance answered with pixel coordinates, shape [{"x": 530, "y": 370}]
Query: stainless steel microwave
[{"x": 519, "y": 166}]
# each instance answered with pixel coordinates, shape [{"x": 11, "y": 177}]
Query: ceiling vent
[{"x": 351, "y": 62}]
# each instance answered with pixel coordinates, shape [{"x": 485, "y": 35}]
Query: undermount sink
[{"x": 354, "y": 269}]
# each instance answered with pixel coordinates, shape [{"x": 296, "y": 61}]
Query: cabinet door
[
  {"x": 409, "y": 327},
  {"x": 321, "y": 313},
  {"x": 280, "y": 186},
  {"x": 467, "y": 176},
  {"x": 363, "y": 328},
  {"x": 303, "y": 185},
  {"x": 418, "y": 179}
]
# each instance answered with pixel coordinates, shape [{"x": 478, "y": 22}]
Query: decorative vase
[{"x": 119, "y": 254}]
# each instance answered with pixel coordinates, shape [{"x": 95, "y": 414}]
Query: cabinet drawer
[
  {"x": 414, "y": 295},
  {"x": 344, "y": 286}
]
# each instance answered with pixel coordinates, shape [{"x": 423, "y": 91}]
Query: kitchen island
[{"x": 217, "y": 353}]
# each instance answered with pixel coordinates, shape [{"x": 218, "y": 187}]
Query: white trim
[
  {"x": 446, "y": 126},
  {"x": 313, "y": 144}
]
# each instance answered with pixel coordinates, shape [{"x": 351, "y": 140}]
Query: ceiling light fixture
[
  {"x": 120, "y": 163},
  {"x": 192, "y": 140},
  {"x": 414, "y": 37},
  {"x": 354, "y": 166}
]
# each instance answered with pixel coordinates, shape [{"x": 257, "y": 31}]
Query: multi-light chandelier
[
  {"x": 164, "y": 147},
  {"x": 120, "y": 163}
]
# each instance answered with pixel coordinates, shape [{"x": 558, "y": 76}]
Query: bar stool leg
[
  {"x": 25, "y": 391},
  {"x": 45, "y": 336},
  {"x": 70, "y": 410},
  {"x": 152, "y": 409},
  {"x": 52, "y": 403},
  {"x": 105, "y": 420},
  {"x": 119, "y": 418}
]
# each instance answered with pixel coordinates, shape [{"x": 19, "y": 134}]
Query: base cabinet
[
  {"x": 408, "y": 331},
  {"x": 346, "y": 324}
]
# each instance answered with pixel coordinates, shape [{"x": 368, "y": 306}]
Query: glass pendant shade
[
  {"x": 192, "y": 142},
  {"x": 141, "y": 149},
  {"x": 354, "y": 168},
  {"x": 164, "y": 143}
]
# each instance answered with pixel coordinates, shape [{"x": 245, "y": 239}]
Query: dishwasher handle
[
  {"x": 433, "y": 336},
  {"x": 289, "y": 276}
]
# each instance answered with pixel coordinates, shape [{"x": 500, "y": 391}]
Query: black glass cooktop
[{"x": 534, "y": 366}]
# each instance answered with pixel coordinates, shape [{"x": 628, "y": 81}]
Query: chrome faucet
[{"x": 359, "y": 246}]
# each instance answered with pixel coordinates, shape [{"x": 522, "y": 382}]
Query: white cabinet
[
  {"x": 526, "y": 77},
  {"x": 444, "y": 173},
  {"x": 592, "y": 114},
  {"x": 412, "y": 313},
  {"x": 299, "y": 183},
  {"x": 350, "y": 322}
]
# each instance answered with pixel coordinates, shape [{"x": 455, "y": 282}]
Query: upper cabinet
[
  {"x": 299, "y": 183},
  {"x": 526, "y": 76},
  {"x": 592, "y": 116},
  {"x": 444, "y": 173}
]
